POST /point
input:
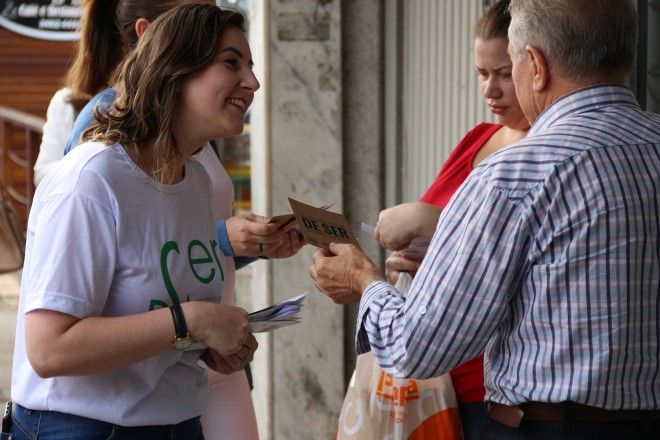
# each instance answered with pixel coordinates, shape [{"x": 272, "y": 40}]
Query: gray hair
[{"x": 579, "y": 38}]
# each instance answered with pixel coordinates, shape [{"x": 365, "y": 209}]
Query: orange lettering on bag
[
  {"x": 398, "y": 395},
  {"x": 411, "y": 392},
  {"x": 385, "y": 381}
]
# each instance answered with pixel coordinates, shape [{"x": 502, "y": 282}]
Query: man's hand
[
  {"x": 399, "y": 225},
  {"x": 397, "y": 263},
  {"x": 343, "y": 272}
]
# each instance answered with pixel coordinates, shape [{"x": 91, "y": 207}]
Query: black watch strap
[{"x": 180, "y": 327}]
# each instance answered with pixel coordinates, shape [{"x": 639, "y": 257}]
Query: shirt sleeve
[
  {"x": 59, "y": 121},
  {"x": 223, "y": 238},
  {"x": 461, "y": 293},
  {"x": 71, "y": 260},
  {"x": 102, "y": 101},
  {"x": 225, "y": 245}
]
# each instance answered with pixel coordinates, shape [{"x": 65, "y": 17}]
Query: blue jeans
[
  {"x": 473, "y": 419},
  {"x": 29, "y": 424},
  {"x": 529, "y": 430}
]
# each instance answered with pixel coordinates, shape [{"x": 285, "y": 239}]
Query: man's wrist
[{"x": 368, "y": 278}]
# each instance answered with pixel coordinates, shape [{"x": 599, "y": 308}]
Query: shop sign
[{"x": 43, "y": 19}]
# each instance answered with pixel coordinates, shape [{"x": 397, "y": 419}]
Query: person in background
[
  {"x": 548, "y": 256},
  {"x": 116, "y": 265},
  {"x": 243, "y": 238},
  {"x": 399, "y": 225}
]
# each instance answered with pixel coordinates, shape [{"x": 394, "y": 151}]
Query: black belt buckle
[{"x": 6, "y": 419}]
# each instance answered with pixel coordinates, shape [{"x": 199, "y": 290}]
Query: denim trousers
[
  {"x": 571, "y": 430},
  {"x": 473, "y": 419},
  {"x": 29, "y": 424}
]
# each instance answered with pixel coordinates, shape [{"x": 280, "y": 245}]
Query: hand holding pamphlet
[{"x": 271, "y": 318}]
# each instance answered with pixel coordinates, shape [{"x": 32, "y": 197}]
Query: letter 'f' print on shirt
[{"x": 202, "y": 260}]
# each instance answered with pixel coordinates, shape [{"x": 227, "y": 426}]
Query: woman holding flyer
[
  {"x": 398, "y": 226},
  {"x": 121, "y": 286}
]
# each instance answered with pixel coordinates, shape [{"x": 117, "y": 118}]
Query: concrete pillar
[{"x": 297, "y": 152}]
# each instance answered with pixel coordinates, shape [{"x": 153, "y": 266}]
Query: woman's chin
[
  {"x": 230, "y": 131},
  {"x": 514, "y": 123}
]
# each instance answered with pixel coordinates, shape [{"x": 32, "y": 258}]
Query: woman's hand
[
  {"x": 252, "y": 235},
  {"x": 399, "y": 225},
  {"x": 397, "y": 263},
  {"x": 289, "y": 246},
  {"x": 222, "y": 328},
  {"x": 233, "y": 362}
]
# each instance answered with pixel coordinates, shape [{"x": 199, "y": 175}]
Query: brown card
[
  {"x": 321, "y": 227},
  {"x": 284, "y": 221},
  {"x": 288, "y": 221}
]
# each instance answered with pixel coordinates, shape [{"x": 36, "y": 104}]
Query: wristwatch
[{"x": 182, "y": 339}]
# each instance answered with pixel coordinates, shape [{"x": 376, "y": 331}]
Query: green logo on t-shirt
[{"x": 202, "y": 262}]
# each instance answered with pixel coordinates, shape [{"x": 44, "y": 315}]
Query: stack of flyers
[{"x": 278, "y": 315}]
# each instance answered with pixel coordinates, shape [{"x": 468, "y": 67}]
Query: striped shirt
[{"x": 547, "y": 258}]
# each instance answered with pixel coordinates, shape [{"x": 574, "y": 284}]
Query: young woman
[
  {"x": 121, "y": 285},
  {"x": 399, "y": 225},
  {"x": 102, "y": 45}
]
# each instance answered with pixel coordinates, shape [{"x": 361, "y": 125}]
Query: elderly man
[{"x": 548, "y": 258}]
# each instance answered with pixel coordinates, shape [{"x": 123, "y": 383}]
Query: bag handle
[{"x": 13, "y": 244}]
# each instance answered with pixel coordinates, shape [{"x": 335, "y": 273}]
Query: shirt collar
[{"x": 583, "y": 100}]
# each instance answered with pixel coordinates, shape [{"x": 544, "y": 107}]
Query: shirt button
[{"x": 422, "y": 310}]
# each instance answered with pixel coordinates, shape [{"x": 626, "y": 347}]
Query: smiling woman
[
  {"x": 98, "y": 350},
  {"x": 216, "y": 101}
]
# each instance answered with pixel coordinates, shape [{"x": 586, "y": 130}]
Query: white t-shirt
[
  {"x": 105, "y": 239},
  {"x": 59, "y": 123},
  {"x": 222, "y": 198}
]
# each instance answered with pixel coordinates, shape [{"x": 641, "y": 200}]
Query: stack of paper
[{"x": 278, "y": 315}]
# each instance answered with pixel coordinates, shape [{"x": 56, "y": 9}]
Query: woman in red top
[{"x": 397, "y": 226}]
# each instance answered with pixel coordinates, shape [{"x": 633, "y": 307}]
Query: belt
[{"x": 512, "y": 416}]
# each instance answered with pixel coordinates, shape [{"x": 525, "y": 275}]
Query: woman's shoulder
[
  {"x": 61, "y": 102},
  {"x": 475, "y": 138},
  {"x": 77, "y": 172},
  {"x": 62, "y": 95},
  {"x": 483, "y": 128}
]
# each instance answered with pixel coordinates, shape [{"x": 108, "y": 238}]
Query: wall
[
  {"x": 440, "y": 98},
  {"x": 297, "y": 151},
  {"x": 31, "y": 71}
]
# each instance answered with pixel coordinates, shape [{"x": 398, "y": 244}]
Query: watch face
[{"x": 182, "y": 343}]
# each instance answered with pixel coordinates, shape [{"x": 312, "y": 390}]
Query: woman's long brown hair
[
  {"x": 179, "y": 43},
  {"x": 107, "y": 33}
]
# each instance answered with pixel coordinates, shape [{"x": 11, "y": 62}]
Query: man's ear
[
  {"x": 540, "y": 68},
  {"x": 141, "y": 25}
]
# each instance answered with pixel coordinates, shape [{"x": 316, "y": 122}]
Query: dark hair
[
  {"x": 107, "y": 33},
  {"x": 180, "y": 42},
  {"x": 495, "y": 22}
]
